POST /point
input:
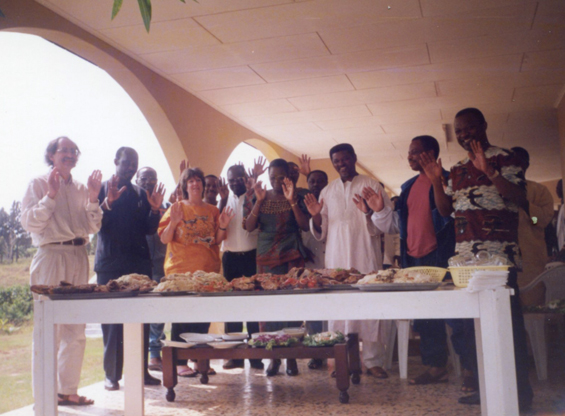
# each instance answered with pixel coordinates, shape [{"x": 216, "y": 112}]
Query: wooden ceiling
[{"x": 374, "y": 73}]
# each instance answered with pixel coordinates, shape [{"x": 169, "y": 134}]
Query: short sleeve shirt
[{"x": 484, "y": 220}]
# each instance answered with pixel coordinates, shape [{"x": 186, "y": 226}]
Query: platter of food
[
  {"x": 324, "y": 339},
  {"x": 396, "y": 287},
  {"x": 270, "y": 341},
  {"x": 91, "y": 295}
]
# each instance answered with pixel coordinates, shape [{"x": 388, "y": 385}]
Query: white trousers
[
  {"x": 374, "y": 335},
  {"x": 51, "y": 265}
]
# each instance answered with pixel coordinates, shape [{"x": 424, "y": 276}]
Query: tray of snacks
[{"x": 270, "y": 341}]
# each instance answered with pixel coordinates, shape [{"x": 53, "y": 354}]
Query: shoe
[
  {"x": 65, "y": 400},
  {"x": 149, "y": 380},
  {"x": 315, "y": 363},
  {"x": 233, "y": 364},
  {"x": 256, "y": 364},
  {"x": 155, "y": 364},
  {"x": 377, "y": 372},
  {"x": 474, "y": 398},
  {"x": 428, "y": 378},
  {"x": 291, "y": 367},
  {"x": 470, "y": 384},
  {"x": 111, "y": 385},
  {"x": 273, "y": 368}
]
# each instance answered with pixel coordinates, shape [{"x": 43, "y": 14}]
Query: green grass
[{"x": 15, "y": 350}]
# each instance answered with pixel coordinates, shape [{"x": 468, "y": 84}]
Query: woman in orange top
[{"x": 192, "y": 230}]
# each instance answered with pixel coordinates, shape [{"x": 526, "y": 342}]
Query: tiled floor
[{"x": 249, "y": 392}]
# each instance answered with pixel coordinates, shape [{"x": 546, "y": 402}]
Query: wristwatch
[{"x": 534, "y": 220}]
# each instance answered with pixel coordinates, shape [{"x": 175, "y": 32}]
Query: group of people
[{"x": 475, "y": 207}]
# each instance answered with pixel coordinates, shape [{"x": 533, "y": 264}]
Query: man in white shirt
[
  {"x": 239, "y": 248},
  {"x": 60, "y": 213},
  {"x": 342, "y": 218}
]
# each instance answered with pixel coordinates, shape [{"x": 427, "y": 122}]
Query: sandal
[
  {"x": 377, "y": 372},
  {"x": 470, "y": 385},
  {"x": 187, "y": 372},
  {"x": 65, "y": 400},
  {"x": 428, "y": 378}
]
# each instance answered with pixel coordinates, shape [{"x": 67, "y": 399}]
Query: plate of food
[
  {"x": 271, "y": 341},
  {"x": 396, "y": 287},
  {"x": 324, "y": 339}
]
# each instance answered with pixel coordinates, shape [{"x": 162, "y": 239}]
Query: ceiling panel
[{"x": 307, "y": 74}]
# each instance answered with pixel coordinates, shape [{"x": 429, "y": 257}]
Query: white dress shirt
[{"x": 238, "y": 239}]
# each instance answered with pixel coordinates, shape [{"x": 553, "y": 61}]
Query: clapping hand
[
  {"x": 225, "y": 217},
  {"x": 288, "y": 190},
  {"x": 259, "y": 167},
  {"x": 53, "y": 183},
  {"x": 113, "y": 192},
  {"x": 223, "y": 189},
  {"x": 314, "y": 207},
  {"x": 260, "y": 192},
  {"x": 184, "y": 164},
  {"x": 304, "y": 167},
  {"x": 156, "y": 197},
  {"x": 176, "y": 213},
  {"x": 477, "y": 156},
  {"x": 94, "y": 184},
  {"x": 360, "y": 203},
  {"x": 374, "y": 200}
]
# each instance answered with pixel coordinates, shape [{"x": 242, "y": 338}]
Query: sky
[{"x": 47, "y": 92}]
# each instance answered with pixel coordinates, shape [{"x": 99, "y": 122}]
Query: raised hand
[
  {"x": 314, "y": 207},
  {"x": 225, "y": 217},
  {"x": 113, "y": 192},
  {"x": 431, "y": 167},
  {"x": 176, "y": 213},
  {"x": 477, "y": 156},
  {"x": 53, "y": 183},
  {"x": 374, "y": 200},
  {"x": 304, "y": 167},
  {"x": 259, "y": 167},
  {"x": 288, "y": 190},
  {"x": 183, "y": 165},
  {"x": 223, "y": 189},
  {"x": 260, "y": 192},
  {"x": 156, "y": 197},
  {"x": 94, "y": 184},
  {"x": 360, "y": 203}
]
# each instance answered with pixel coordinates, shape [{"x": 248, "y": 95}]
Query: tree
[{"x": 14, "y": 240}]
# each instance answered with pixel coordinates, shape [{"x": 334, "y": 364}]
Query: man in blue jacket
[{"x": 426, "y": 239}]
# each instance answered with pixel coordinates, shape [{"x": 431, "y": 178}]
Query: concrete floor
[{"x": 249, "y": 392}]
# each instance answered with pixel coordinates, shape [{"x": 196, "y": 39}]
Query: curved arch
[
  {"x": 267, "y": 149},
  {"x": 128, "y": 80}
]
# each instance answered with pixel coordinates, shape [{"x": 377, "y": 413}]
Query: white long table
[{"x": 490, "y": 310}]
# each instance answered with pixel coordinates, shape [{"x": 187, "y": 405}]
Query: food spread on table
[
  {"x": 198, "y": 281},
  {"x": 396, "y": 276},
  {"x": 324, "y": 339},
  {"x": 127, "y": 283},
  {"x": 269, "y": 341}
]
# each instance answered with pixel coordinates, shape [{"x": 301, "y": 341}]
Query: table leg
[
  {"x": 354, "y": 358},
  {"x": 170, "y": 379},
  {"x": 133, "y": 366},
  {"x": 203, "y": 366},
  {"x": 341, "y": 372},
  {"x": 495, "y": 354},
  {"x": 45, "y": 360},
  {"x": 403, "y": 331}
]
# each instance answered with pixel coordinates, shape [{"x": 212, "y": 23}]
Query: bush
[{"x": 16, "y": 307}]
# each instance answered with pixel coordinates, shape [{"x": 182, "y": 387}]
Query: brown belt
[{"x": 74, "y": 242}]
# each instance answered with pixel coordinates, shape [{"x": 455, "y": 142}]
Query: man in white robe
[{"x": 342, "y": 218}]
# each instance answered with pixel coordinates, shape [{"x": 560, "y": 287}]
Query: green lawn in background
[{"x": 15, "y": 350}]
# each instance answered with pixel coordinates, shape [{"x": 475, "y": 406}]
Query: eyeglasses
[{"x": 72, "y": 151}]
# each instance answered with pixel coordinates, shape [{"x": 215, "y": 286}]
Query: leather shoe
[
  {"x": 149, "y": 380},
  {"x": 315, "y": 363},
  {"x": 111, "y": 385},
  {"x": 291, "y": 367},
  {"x": 474, "y": 398},
  {"x": 273, "y": 368},
  {"x": 233, "y": 364},
  {"x": 256, "y": 364}
]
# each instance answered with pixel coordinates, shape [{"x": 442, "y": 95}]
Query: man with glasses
[
  {"x": 239, "y": 247},
  {"x": 60, "y": 213}
]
